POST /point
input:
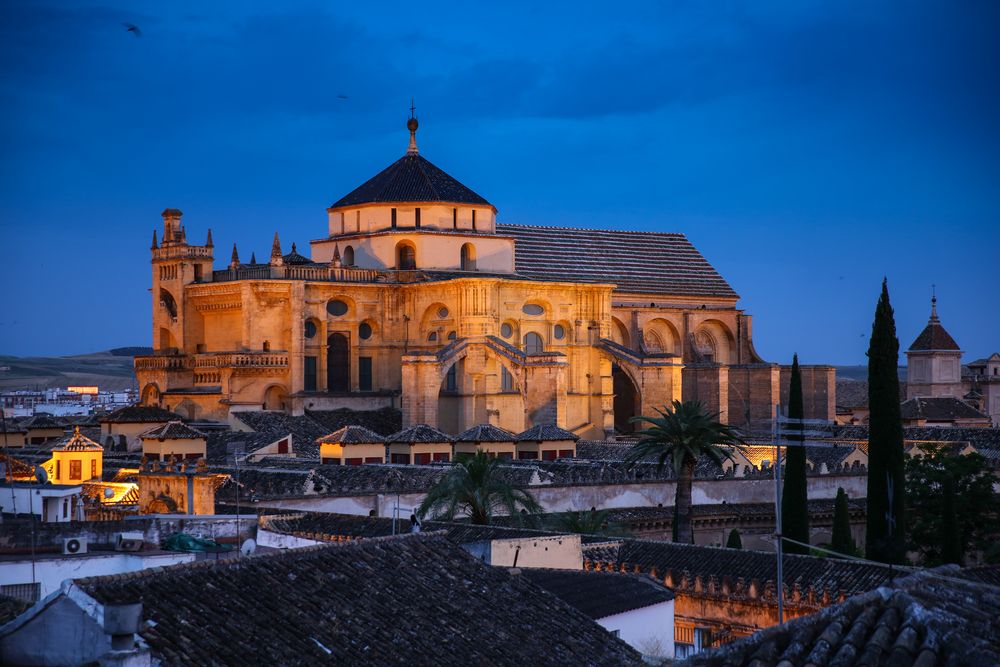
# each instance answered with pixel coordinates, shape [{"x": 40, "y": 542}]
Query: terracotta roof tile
[
  {"x": 403, "y": 601},
  {"x": 411, "y": 178},
  {"x": 637, "y": 262}
]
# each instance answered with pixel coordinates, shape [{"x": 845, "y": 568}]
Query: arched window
[
  {"x": 452, "y": 335},
  {"x": 433, "y": 336},
  {"x": 533, "y": 343},
  {"x": 406, "y": 256},
  {"x": 468, "y": 257},
  {"x": 310, "y": 329},
  {"x": 506, "y": 380},
  {"x": 348, "y": 256}
]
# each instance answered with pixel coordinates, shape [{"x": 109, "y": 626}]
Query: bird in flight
[
  {"x": 133, "y": 28},
  {"x": 341, "y": 97}
]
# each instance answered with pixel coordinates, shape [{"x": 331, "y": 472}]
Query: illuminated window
[
  {"x": 93, "y": 468},
  {"x": 76, "y": 469}
]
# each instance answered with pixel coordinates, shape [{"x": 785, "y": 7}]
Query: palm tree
[
  {"x": 683, "y": 433},
  {"x": 474, "y": 488},
  {"x": 590, "y": 522}
]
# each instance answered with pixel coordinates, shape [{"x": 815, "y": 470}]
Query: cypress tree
[
  {"x": 843, "y": 541},
  {"x": 734, "y": 541},
  {"x": 794, "y": 496},
  {"x": 884, "y": 539}
]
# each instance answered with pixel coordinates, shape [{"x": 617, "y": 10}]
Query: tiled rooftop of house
[
  {"x": 600, "y": 594},
  {"x": 392, "y": 602},
  {"x": 485, "y": 433},
  {"x": 139, "y": 414},
  {"x": 637, "y": 262},
  {"x": 173, "y": 430},
  {"x": 76, "y": 442},
  {"x": 352, "y": 435},
  {"x": 419, "y": 433},
  {"x": 684, "y": 560},
  {"x": 942, "y": 408},
  {"x": 930, "y": 618},
  {"x": 304, "y": 429},
  {"x": 542, "y": 432}
]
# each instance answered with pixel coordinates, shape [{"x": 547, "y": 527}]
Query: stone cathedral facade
[{"x": 416, "y": 297}]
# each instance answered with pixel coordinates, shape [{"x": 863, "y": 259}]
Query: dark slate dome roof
[
  {"x": 411, "y": 178},
  {"x": 934, "y": 337},
  {"x": 295, "y": 258}
]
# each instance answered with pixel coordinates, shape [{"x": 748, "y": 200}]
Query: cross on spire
[{"x": 412, "y": 126}]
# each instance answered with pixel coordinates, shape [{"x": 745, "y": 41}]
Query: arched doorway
[
  {"x": 626, "y": 400},
  {"x": 338, "y": 363}
]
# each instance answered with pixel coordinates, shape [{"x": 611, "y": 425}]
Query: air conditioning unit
[
  {"x": 129, "y": 541},
  {"x": 74, "y": 545}
]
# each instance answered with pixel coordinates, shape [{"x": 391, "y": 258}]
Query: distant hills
[
  {"x": 861, "y": 373},
  {"x": 110, "y": 370}
]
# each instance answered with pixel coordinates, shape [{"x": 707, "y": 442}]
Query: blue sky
[{"x": 807, "y": 149}]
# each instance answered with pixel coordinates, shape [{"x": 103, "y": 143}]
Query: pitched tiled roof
[
  {"x": 352, "y": 435},
  {"x": 600, "y": 594},
  {"x": 807, "y": 571},
  {"x": 76, "y": 442},
  {"x": 173, "y": 430},
  {"x": 134, "y": 414},
  {"x": 42, "y": 420},
  {"x": 637, "y": 262},
  {"x": 294, "y": 258},
  {"x": 485, "y": 433},
  {"x": 933, "y": 617},
  {"x": 419, "y": 433},
  {"x": 546, "y": 432},
  {"x": 411, "y": 178},
  {"x": 221, "y": 446},
  {"x": 941, "y": 408},
  {"x": 303, "y": 429},
  {"x": 401, "y": 601},
  {"x": 933, "y": 337},
  {"x": 384, "y": 421},
  {"x": 11, "y": 426}
]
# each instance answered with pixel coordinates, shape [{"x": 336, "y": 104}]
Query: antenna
[{"x": 249, "y": 546}]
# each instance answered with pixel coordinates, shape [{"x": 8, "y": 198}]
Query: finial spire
[
  {"x": 934, "y": 315},
  {"x": 412, "y": 126},
  {"x": 253, "y": 258},
  {"x": 276, "y": 257},
  {"x": 336, "y": 256},
  {"x": 155, "y": 246},
  {"x": 235, "y": 262},
  {"x": 208, "y": 241}
]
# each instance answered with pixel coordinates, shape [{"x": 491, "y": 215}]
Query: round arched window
[
  {"x": 442, "y": 313},
  {"x": 532, "y": 309},
  {"x": 452, "y": 335},
  {"x": 336, "y": 307},
  {"x": 433, "y": 336},
  {"x": 310, "y": 329},
  {"x": 506, "y": 330},
  {"x": 365, "y": 331},
  {"x": 559, "y": 332}
]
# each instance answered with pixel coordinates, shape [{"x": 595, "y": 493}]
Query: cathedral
[{"x": 416, "y": 297}]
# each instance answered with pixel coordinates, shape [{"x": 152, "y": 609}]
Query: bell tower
[
  {"x": 175, "y": 264},
  {"x": 934, "y": 362}
]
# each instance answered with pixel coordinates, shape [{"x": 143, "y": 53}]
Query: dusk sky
[{"x": 806, "y": 149}]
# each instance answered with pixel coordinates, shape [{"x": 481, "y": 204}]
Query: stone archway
[
  {"x": 627, "y": 402},
  {"x": 274, "y": 397}
]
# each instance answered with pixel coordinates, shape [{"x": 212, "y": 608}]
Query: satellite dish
[
  {"x": 41, "y": 475},
  {"x": 249, "y": 546},
  {"x": 109, "y": 493}
]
